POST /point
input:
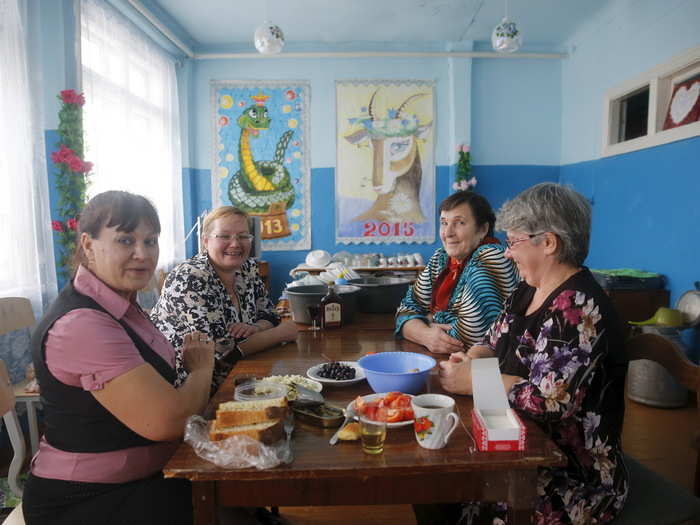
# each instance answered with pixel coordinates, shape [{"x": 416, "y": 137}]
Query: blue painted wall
[
  {"x": 645, "y": 203},
  {"x": 645, "y": 210},
  {"x": 527, "y": 121},
  {"x": 511, "y": 151}
]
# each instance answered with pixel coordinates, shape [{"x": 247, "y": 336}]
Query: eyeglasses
[
  {"x": 241, "y": 237},
  {"x": 512, "y": 243}
]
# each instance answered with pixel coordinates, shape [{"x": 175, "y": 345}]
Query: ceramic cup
[{"x": 435, "y": 419}]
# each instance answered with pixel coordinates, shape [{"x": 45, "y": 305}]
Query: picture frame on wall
[
  {"x": 385, "y": 172},
  {"x": 261, "y": 156}
]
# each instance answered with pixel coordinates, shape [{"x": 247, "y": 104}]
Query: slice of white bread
[
  {"x": 236, "y": 413},
  {"x": 268, "y": 432},
  {"x": 350, "y": 432}
]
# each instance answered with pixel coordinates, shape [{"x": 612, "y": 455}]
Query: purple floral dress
[{"x": 570, "y": 354}]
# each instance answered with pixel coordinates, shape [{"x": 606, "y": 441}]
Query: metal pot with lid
[{"x": 650, "y": 383}]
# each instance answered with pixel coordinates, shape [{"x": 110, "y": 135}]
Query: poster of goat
[
  {"x": 385, "y": 173},
  {"x": 261, "y": 159}
]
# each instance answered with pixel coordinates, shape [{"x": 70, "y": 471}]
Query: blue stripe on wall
[
  {"x": 646, "y": 214},
  {"x": 645, "y": 211},
  {"x": 52, "y": 141}
]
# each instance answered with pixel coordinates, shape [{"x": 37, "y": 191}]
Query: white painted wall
[{"x": 621, "y": 41}]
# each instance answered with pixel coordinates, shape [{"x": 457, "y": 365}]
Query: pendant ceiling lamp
[
  {"x": 506, "y": 38},
  {"x": 269, "y": 39}
]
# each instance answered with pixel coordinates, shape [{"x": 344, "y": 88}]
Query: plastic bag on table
[{"x": 238, "y": 451}]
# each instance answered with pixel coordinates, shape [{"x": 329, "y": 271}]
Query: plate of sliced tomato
[{"x": 394, "y": 406}]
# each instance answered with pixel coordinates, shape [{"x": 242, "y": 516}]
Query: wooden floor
[{"x": 658, "y": 438}]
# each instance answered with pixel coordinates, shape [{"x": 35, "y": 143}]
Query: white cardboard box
[{"x": 496, "y": 426}]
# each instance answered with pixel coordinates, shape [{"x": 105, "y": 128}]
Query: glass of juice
[
  {"x": 314, "y": 310},
  {"x": 372, "y": 434}
]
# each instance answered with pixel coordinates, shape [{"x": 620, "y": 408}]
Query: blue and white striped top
[{"x": 486, "y": 281}]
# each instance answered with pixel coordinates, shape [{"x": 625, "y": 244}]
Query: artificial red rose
[
  {"x": 75, "y": 164},
  {"x": 64, "y": 154},
  {"x": 87, "y": 167},
  {"x": 69, "y": 96},
  {"x": 72, "y": 224},
  {"x": 57, "y": 226}
]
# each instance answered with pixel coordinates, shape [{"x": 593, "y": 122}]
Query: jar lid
[{"x": 259, "y": 390}]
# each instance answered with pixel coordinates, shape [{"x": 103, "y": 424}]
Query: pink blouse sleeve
[{"x": 87, "y": 348}]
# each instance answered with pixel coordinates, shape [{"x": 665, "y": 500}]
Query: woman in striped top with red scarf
[{"x": 462, "y": 288}]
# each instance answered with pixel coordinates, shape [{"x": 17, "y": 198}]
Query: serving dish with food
[
  {"x": 264, "y": 384},
  {"x": 394, "y": 406},
  {"x": 337, "y": 373}
]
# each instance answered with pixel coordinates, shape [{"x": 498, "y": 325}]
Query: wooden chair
[
  {"x": 653, "y": 499},
  {"x": 14, "y": 431},
  {"x": 16, "y": 313},
  {"x": 16, "y": 517}
]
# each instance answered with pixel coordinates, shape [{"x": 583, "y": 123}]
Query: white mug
[{"x": 435, "y": 419}]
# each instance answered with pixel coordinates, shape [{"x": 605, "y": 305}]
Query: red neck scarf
[{"x": 447, "y": 280}]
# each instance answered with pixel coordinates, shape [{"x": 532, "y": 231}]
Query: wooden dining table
[{"x": 321, "y": 474}]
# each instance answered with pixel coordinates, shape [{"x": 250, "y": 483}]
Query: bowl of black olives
[{"x": 337, "y": 373}]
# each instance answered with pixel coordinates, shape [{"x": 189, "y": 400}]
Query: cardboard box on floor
[{"x": 496, "y": 426}]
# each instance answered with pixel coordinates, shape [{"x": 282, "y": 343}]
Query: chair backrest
[
  {"x": 15, "y": 313},
  {"x": 7, "y": 393}
]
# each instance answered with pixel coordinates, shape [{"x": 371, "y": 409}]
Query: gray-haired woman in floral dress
[{"x": 561, "y": 358}]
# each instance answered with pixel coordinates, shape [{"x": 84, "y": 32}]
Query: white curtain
[
  {"x": 132, "y": 130},
  {"x": 26, "y": 250}
]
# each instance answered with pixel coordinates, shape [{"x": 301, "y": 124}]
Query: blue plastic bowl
[{"x": 390, "y": 371}]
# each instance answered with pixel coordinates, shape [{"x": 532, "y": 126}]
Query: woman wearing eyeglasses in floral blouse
[
  {"x": 561, "y": 358},
  {"x": 220, "y": 292}
]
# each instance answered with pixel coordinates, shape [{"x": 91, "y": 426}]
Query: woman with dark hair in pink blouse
[{"x": 113, "y": 415}]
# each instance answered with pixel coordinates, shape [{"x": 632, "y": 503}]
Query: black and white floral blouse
[
  {"x": 570, "y": 354},
  {"x": 194, "y": 298}
]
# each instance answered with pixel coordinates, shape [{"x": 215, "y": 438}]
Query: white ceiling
[{"x": 220, "y": 23}]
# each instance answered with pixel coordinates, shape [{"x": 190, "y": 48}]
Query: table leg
[
  {"x": 33, "y": 426},
  {"x": 204, "y": 503},
  {"x": 522, "y": 491}
]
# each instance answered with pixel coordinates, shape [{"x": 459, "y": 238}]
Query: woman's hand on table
[
  {"x": 243, "y": 330},
  {"x": 437, "y": 340},
  {"x": 480, "y": 351},
  {"x": 456, "y": 373},
  {"x": 197, "y": 352}
]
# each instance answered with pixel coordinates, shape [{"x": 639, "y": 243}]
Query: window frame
[{"x": 660, "y": 80}]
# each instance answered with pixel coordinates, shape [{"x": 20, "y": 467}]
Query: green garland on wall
[{"x": 72, "y": 176}]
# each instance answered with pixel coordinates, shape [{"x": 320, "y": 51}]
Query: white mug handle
[{"x": 455, "y": 419}]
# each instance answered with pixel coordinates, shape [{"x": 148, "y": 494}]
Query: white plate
[
  {"x": 287, "y": 379},
  {"x": 350, "y": 410},
  {"x": 359, "y": 374}
]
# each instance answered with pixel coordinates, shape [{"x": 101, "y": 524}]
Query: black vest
[{"x": 75, "y": 420}]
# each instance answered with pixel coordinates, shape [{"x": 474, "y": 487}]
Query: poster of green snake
[
  {"x": 385, "y": 174},
  {"x": 261, "y": 160}
]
